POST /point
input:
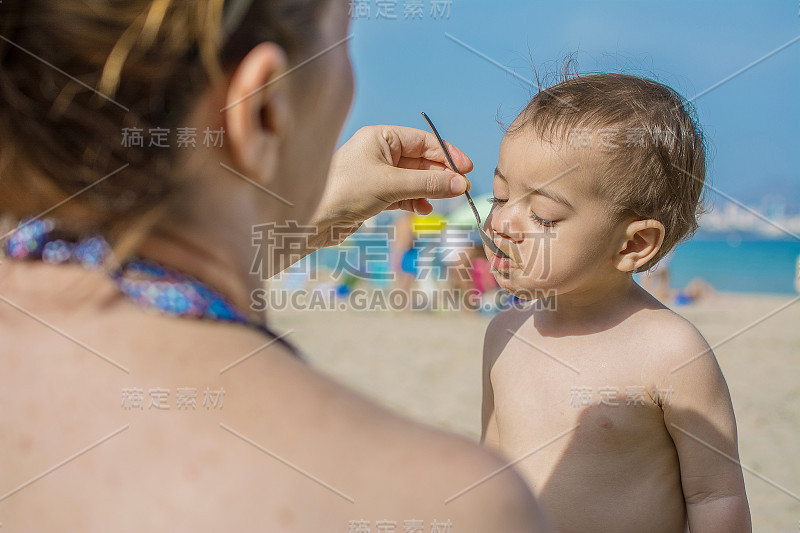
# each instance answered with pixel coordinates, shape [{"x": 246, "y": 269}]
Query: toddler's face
[{"x": 560, "y": 237}]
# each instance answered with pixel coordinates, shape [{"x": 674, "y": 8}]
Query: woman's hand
[{"x": 385, "y": 167}]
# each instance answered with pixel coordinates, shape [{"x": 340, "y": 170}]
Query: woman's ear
[
  {"x": 258, "y": 112},
  {"x": 642, "y": 240}
]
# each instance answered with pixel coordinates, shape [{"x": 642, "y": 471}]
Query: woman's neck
[{"x": 218, "y": 254}]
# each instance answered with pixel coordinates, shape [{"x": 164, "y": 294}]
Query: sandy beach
[{"x": 428, "y": 365}]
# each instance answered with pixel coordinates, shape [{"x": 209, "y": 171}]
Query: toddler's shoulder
[
  {"x": 669, "y": 330},
  {"x": 501, "y": 329},
  {"x": 671, "y": 343},
  {"x": 511, "y": 318}
]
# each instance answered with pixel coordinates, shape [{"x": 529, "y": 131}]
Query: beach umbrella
[{"x": 428, "y": 224}]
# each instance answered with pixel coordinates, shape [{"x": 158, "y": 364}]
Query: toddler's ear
[{"x": 641, "y": 241}]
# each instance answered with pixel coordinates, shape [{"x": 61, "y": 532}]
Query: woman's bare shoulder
[{"x": 203, "y": 407}]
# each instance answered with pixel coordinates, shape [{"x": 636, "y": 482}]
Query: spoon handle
[
  {"x": 441, "y": 141},
  {"x": 452, "y": 164}
]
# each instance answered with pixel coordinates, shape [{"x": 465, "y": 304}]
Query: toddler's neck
[{"x": 595, "y": 308}]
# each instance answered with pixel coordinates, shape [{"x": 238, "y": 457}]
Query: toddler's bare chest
[{"x": 542, "y": 389}]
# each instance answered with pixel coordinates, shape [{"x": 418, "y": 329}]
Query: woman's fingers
[
  {"x": 387, "y": 167},
  {"x": 421, "y": 206},
  {"x": 406, "y": 184},
  {"x": 413, "y": 143},
  {"x": 461, "y": 160},
  {"x": 418, "y": 163}
]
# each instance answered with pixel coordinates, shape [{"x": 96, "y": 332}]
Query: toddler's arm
[{"x": 699, "y": 416}]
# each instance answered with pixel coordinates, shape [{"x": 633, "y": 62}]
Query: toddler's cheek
[
  {"x": 539, "y": 275},
  {"x": 536, "y": 262}
]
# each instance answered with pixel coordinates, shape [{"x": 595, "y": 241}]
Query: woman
[{"x": 100, "y": 428}]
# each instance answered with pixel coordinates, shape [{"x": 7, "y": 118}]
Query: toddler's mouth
[
  {"x": 504, "y": 264},
  {"x": 501, "y": 264}
]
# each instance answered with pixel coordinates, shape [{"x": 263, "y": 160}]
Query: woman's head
[{"x": 76, "y": 74}]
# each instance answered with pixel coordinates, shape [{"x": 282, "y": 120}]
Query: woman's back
[{"x": 118, "y": 419}]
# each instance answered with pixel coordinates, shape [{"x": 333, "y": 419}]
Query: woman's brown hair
[{"x": 75, "y": 73}]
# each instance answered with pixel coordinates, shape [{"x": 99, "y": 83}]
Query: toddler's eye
[
  {"x": 493, "y": 200},
  {"x": 542, "y": 222}
]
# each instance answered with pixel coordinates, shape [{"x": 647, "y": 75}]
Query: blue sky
[{"x": 753, "y": 121}]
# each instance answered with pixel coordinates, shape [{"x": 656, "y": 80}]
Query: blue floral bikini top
[{"x": 145, "y": 282}]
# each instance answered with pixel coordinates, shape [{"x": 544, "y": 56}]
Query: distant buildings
[{"x": 772, "y": 222}]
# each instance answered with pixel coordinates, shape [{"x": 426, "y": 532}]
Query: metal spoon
[{"x": 484, "y": 236}]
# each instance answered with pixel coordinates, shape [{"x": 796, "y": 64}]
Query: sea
[{"x": 737, "y": 263}]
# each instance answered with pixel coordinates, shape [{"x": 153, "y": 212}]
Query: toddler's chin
[{"x": 523, "y": 291}]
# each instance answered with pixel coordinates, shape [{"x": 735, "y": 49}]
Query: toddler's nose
[{"x": 502, "y": 228}]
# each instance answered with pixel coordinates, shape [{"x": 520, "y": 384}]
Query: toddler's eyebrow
[{"x": 544, "y": 192}]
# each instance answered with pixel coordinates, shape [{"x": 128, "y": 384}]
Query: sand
[{"x": 428, "y": 365}]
